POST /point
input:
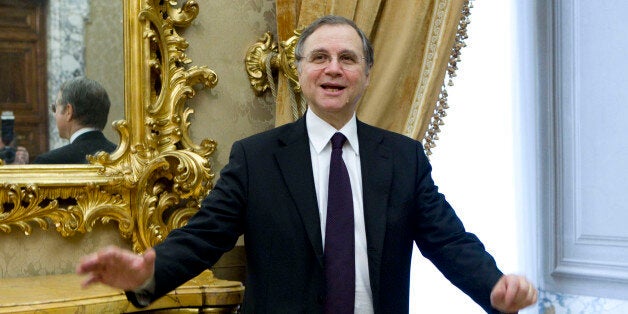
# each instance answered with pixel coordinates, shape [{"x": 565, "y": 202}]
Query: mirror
[
  {"x": 104, "y": 56},
  {"x": 85, "y": 38},
  {"x": 156, "y": 178},
  {"x": 47, "y": 43}
]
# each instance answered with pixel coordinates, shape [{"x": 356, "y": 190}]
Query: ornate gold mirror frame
[{"x": 156, "y": 178}]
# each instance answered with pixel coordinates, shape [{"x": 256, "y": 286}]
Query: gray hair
[
  {"x": 89, "y": 100},
  {"x": 334, "y": 20}
]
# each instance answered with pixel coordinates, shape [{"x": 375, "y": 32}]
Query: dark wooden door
[{"x": 23, "y": 83}]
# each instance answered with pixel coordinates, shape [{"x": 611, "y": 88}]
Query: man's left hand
[{"x": 512, "y": 293}]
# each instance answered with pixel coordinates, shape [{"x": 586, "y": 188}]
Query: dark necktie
[{"x": 339, "y": 235}]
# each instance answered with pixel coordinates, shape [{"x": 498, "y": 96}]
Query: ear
[{"x": 69, "y": 111}]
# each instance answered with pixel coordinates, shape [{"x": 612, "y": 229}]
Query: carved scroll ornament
[
  {"x": 156, "y": 178},
  {"x": 265, "y": 53}
]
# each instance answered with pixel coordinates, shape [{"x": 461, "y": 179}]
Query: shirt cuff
[{"x": 141, "y": 297}]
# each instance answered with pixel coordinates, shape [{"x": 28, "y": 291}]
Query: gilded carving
[
  {"x": 23, "y": 205},
  {"x": 156, "y": 178},
  {"x": 288, "y": 59},
  {"x": 281, "y": 60},
  {"x": 259, "y": 54}
]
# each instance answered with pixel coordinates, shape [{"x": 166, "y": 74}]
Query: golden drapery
[{"x": 412, "y": 40}]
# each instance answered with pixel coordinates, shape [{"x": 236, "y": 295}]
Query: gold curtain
[{"x": 413, "y": 41}]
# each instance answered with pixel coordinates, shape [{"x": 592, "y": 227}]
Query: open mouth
[{"x": 332, "y": 87}]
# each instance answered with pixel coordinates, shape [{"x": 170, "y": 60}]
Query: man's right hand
[
  {"x": 21, "y": 156},
  {"x": 117, "y": 268}
]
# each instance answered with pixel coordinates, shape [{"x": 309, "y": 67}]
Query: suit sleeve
[
  {"x": 212, "y": 231},
  {"x": 441, "y": 237}
]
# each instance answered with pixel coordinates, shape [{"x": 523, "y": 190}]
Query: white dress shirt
[
  {"x": 81, "y": 132},
  {"x": 320, "y": 133}
]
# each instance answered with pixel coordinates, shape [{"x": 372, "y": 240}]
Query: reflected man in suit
[
  {"x": 274, "y": 191},
  {"x": 81, "y": 111}
]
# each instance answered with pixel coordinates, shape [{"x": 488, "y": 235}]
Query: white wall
[
  {"x": 473, "y": 163},
  {"x": 539, "y": 112}
]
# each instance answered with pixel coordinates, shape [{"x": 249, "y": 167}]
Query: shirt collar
[
  {"x": 320, "y": 132},
  {"x": 81, "y": 132}
]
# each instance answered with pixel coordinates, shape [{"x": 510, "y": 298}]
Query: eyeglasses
[
  {"x": 347, "y": 60},
  {"x": 53, "y": 107}
]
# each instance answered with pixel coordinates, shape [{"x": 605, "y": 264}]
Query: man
[
  {"x": 81, "y": 112},
  {"x": 275, "y": 190}
]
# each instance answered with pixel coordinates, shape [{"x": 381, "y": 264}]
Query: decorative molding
[
  {"x": 261, "y": 54},
  {"x": 582, "y": 256},
  {"x": 266, "y": 51}
]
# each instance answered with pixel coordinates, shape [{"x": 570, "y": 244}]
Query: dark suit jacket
[
  {"x": 88, "y": 143},
  {"x": 266, "y": 192}
]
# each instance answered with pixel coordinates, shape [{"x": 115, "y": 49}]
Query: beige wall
[
  {"x": 46, "y": 252},
  {"x": 219, "y": 38}
]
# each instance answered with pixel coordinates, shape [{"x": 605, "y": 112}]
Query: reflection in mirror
[
  {"x": 86, "y": 39},
  {"x": 153, "y": 182},
  {"x": 104, "y": 56},
  {"x": 23, "y": 83},
  {"x": 45, "y": 43},
  {"x": 80, "y": 113}
]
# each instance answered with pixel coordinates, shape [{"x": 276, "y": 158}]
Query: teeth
[{"x": 333, "y": 89}]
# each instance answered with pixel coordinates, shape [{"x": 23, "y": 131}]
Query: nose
[{"x": 333, "y": 67}]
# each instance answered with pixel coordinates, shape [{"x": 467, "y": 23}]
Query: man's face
[{"x": 333, "y": 73}]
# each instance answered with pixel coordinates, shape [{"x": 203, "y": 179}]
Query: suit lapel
[
  {"x": 295, "y": 164},
  {"x": 376, "y": 164},
  {"x": 294, "y": 161}
]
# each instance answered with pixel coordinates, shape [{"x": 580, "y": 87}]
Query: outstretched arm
[
  {"x": 117, "y": 268},
  {"x": 512, "y": 293}
]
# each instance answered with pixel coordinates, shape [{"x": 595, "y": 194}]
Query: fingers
[
  {"x": 525, "y": 293},
  {"x": 532, "y": 295},
  {"x": 116, "y": 267},
  {"x": 512, "y": 293},
  {"x": 21, "y": 156},
  {"x": 91, "y": 279},
  {"x": 96, "y": 265},
  {"x": 87, "y": 264},
  {"x": 96, "y": 261},
  {"x": 514, "y": 286}
]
